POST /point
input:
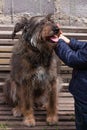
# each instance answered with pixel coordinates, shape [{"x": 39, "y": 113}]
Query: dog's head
[{"x": 38, "y": 31}]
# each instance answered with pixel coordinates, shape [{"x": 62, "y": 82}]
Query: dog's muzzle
[{"x": 55, "y": 29}]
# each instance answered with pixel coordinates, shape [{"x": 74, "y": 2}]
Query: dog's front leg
[
  {"x": 29, "y": 119},
  {"x": 52, "y": 117},
  {"x": 27, "y": 107}
]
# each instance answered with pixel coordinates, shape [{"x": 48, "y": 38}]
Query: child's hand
[
  {"x": 61, "y": 36},
  {"x": 64, "y": 38}
]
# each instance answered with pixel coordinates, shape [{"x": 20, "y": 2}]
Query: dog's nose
[{"x": 55, "y": 29}]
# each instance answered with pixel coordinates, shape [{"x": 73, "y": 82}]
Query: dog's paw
[
  {"x": 52, "y": 120},
  {"x": 16, "y": 112},
  {"x": 29, "y": 122}
]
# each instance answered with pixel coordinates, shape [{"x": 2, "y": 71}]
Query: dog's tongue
[{"x": 54, "y": 38}]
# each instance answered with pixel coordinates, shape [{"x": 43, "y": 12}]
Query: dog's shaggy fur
[{"x": 33, "y": 79}]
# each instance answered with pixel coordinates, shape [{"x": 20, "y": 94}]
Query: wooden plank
[
  {"x": 5, "y": 67},
  {"x": 63, "y": 69},
  {"x": 61, "y": 94},
  {"x": 80, "y": 36},
  {"x": 74, "y": 29},
  {"x": 38, "y": 123},
  {"x": 6, "y": 48},
  {"x": 8, "y": 41},
  {"x": 4, "y": 27},
  {"x": 10, "y": 27},
  {"x": 3, "y": 75},
  {"x": 5, "y": 55},
  {"x": 7, "y": 35},
  {"x": 63, "y": 84},
  {"x": 4, "y": 61},
  {"x": 65, "y": 94},
  {"x": 66, "y": 100},
  {"x": 6, "y": 109},
  {"x": 41, "y": 128},
  {"x": 66, "y": 77}
]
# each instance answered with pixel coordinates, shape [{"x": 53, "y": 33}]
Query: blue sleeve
[
  {"x": 75, "y": 44},
  {"x": 73, "y": 58}
]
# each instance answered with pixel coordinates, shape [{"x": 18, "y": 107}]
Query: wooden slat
[
  {"x": 4, "y": 27},
  {"x": 61, "y": 94},
  {"x": 79, "y": 36},
  {"x": 6, "y": 48},
  {"x": 5, "y": 55},
  {"x": 65, "y": 94},
  {"x": 4, "y": 61},
  {"x": 7, "y": 34},
  {"x": 42, "y": 128},
  {"x": 63, "y": 84},
  {"x": 5, "y": 68},
  {"x": 8, "y": 41},
  {"x": 63, "y": 71},
  {"x": 10, "y": 27},
  {"x": 3, "y": 75},
  {"x": 74, "y": 29}
]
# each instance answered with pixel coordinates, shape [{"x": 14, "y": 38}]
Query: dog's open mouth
[{"x": 53, "y": 39}]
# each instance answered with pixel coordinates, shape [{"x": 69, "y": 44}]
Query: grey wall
[
  {"x": 74, "y": 7},
  {"x": 68, "y": 12},
  {"x": 70, "y": 7},
  {"x": 30, "y": 6}
]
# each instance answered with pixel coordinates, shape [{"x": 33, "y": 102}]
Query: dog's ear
[{"x": 19, "y": 26}]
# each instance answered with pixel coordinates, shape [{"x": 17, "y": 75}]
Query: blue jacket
[{"x": 75, "y": 56}]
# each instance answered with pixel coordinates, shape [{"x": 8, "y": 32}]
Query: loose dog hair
[{"x": 33, "y": 79}]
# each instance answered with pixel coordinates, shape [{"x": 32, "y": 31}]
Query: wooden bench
[{"x": 66, "y": 103}]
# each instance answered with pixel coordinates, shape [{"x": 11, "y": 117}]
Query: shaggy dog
[{"x": 33, "y": 78}]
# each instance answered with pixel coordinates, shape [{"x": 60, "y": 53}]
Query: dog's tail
[{"x": 10, "y": 92}]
